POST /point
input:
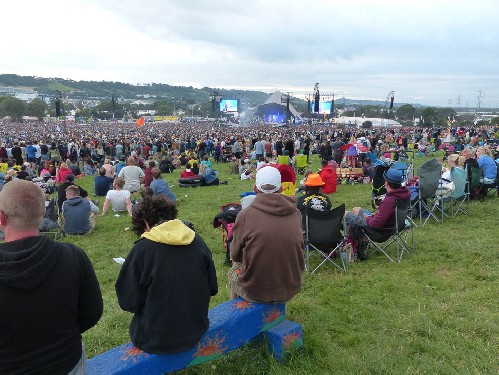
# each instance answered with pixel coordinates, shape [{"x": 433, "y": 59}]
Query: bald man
[
  {"x": 48, "y": 291},
  {"x": 133, "y": 176}
]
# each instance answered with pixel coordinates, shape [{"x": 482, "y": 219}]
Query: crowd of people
[{"x": 169, "y": 276}]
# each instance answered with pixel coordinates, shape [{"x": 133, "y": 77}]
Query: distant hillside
[
  {"x": 378, "y": 103},
  {"x": 106, "y": 89}
]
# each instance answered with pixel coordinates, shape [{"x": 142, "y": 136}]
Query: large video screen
[
  {"x": 324, "y": 106},
  {"x": 228, "y": 105}
]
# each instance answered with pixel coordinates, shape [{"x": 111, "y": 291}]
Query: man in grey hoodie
[{"x": 79, "y": 214}]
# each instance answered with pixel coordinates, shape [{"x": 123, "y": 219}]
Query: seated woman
[
  {"x": 62, "y": 172},
  {"x": 159, "y": 186},
  {"x": 171, "y": 261},
  {"x": 446, "y": 185},
  {"x": 247, "y": 172},
  {"x": 209, "y": 175},
  {"x": 488, "y": 166},
  {"x": 206, "y": 161},
  {"x": 110, "y": 169},
  {"x": 148, "y": 173},
  {"x": 89, "y": 168}
]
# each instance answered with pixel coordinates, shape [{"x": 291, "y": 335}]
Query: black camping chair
[
  {"x": 400, "y": 233},
  {"x": 493, "y": 188},
  {"x": 323, "y": 236},
  {"x": 427, "y": 200}
]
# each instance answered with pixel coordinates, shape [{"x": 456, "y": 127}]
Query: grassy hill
[
  {"x": 433, "y": 313},
  {"x": 105, "y": 89}
]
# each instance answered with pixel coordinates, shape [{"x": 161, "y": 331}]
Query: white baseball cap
[{"x": 268, "y": 179}]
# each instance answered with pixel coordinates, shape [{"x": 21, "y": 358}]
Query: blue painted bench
[{"x": 232, "y": 325}]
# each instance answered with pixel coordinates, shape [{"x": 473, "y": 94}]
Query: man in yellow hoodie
[{"x": 166, "y": 281}]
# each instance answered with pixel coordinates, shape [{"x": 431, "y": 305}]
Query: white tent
[{"x": 275, "y": 98}]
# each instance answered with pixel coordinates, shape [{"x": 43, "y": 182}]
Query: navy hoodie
[{"x": 49, "y": 295}]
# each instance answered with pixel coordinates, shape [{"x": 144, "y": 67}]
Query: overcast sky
[{"x": 428, "y": 52}]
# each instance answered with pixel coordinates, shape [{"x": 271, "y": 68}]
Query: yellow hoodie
[{"x": 172, "y": 232}]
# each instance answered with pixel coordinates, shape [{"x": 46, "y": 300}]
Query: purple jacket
[{"x": 385, "y": 217}]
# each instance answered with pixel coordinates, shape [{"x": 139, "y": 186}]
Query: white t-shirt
[{"x": 118, "y": 199}]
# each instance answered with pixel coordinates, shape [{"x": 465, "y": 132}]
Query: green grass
[
  {"x": 56, "y": 86},
  {"x": 435, "y": 312}
]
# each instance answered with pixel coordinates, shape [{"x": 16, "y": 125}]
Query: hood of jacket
[
  {"x": 75, "y": 201},
  {"x": 172, "y": 232},
  {"x": 25, "y": 263},
  {"x": 275, "y": 204},
  {"x": 400, "y": 193}
]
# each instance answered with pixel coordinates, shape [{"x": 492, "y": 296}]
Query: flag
[
  {"x": 58, "y": 129},
  {"x": 140, "y": 121}
]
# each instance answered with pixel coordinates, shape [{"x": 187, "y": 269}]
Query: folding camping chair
[
  {"x": 51, "y": 224},
  {"x": 402, "y": 167},
  {"x": 497, "y": 183},
  {"x": 300, "y": 164},
  {"x": 459, "y": 195},
  {"x": 427, "y": 200},
  {"x": 283, "y": 159},
  {"x": 493, "y": 187},
  {"x": 400, "y": 233},
  {"x": 225, "y": 219},
  {"x": 323, "y": 237},
  {"x": 475, "y": 186}
]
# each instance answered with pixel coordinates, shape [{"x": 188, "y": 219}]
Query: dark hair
[
  {"x": 156, "y": 172},
  {"x": 152, "y": 210},
  {"x": 312, "y": 189},
  {"x": 102, "y": 171},
  {"x": 393, "y": 185},
  {"x": 147, "y": 192}
]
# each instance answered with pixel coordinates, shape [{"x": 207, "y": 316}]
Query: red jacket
[
  {"x": 328, "y": 176},
  {"x": 61, "y": 175},
  {"x": 188, "y": 174}
]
